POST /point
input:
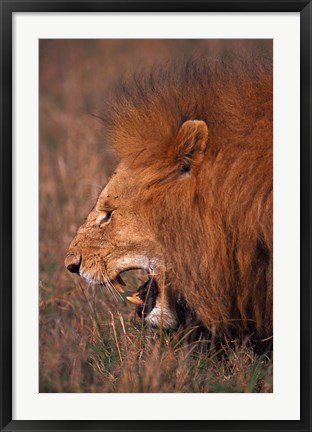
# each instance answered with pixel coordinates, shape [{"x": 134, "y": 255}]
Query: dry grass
[{"x": 89, "y": 341}]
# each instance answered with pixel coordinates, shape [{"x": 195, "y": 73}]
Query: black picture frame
[{"x": 7, "y": 9}]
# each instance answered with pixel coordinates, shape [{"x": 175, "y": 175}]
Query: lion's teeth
[
  {"x": 118, "y": 287},
  {"x": 135, "y": 300},
  {"x": 120, "y": 281}
]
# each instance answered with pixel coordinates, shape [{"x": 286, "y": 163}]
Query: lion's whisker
[{"x": 110, "y": 287}]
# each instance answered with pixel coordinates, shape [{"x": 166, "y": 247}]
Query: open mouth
[{"x": 144, "y": 297}]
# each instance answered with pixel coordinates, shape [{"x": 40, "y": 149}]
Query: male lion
[{"x": 191, "y": 199}]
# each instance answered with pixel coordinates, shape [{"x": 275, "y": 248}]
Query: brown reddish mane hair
[{"x": 216, "y": 226}]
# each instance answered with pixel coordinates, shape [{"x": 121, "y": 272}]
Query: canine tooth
[
  {"x": 134, "y": 300},
  {"x": 118, "y": 287},
  {"x": 120, "y": 280}
]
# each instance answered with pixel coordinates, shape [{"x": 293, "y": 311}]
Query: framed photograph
[{"x": 155, "y": 215}]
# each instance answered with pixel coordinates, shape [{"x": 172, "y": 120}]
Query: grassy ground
[{"x": 89, "y": 341}]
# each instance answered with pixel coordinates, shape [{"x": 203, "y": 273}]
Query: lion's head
[
  {"x": 118, "y": 235},
  {"x": 194, "y": 211},
  {"x": 115, "y": 236}
]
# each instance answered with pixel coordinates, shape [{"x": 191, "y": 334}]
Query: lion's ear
[{"x": 190, "y": 145}]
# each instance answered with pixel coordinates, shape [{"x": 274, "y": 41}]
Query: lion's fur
[{"x": 216, "y": 225}]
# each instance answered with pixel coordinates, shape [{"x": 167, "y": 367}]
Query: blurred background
[{"x": 89, "y": 341}]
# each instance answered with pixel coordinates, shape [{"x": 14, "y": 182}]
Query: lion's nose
[{"x": 72, "y": 263}]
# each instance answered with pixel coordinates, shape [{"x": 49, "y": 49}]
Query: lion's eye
[{"x": 106, "y": 216}]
